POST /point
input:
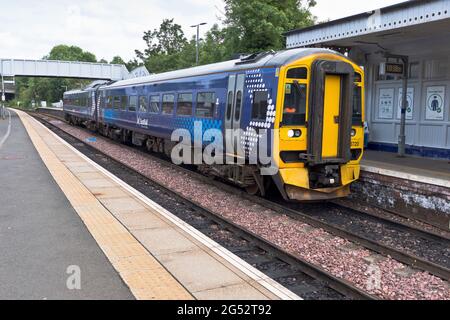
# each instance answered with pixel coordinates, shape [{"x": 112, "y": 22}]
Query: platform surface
[
  {"x": 141, "y": 250},
  {"x": 41, "y": 235},
  {"x": 426, "y": 170}
]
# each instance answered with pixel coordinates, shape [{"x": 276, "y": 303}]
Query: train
[{"x": 303, "y": 109}]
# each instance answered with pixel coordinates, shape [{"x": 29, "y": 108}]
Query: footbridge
[{"x": 10, "y": 68}]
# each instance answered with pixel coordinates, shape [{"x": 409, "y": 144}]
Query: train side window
[
  {"x": 124, "y": 103},
  {"x": 230, "y": 105},
  {"x": 143, "y": 104},
  {"x": 168, "y": 104},
  {"x": 133, "y": 104},
  {"x": 357, "y": 106},
  {"x": 117, "y": 102},
  {"x": 260, "y": 105},
  {"x": 155, "y": 106},
  {"x": 294, "y": 111},
  {"x": 237, "y": 114},
  {"x": 184, "y": 106},
  {"x": 109, "y": 102},
  {"x": 297, "y": 73},
  {"x": 206, "y": 102}
]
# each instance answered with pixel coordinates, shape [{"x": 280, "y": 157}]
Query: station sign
[
  {"x": 386, "y": 103},
  {"x": 435, "y": 103},
  {"x": 388, "y": 68}
]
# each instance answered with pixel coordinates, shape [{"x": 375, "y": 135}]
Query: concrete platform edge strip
[
  {"x": 406, "y": 176},
  {"x": 164, "y": 285},
  {"x": 257, "y": 276}
]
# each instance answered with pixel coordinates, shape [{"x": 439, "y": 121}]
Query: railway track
[
  {"x": 306, "y": 280},
  {"x": 412, "y": 246}
]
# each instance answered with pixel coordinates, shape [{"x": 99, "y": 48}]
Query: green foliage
[
  {"x": 259, "y": 25},
  {"x": 70, "y": 53},
  {"x": 250, "y": 26},
  {"x": 167, "y": 48},
  {"x": 117, "y": 60},
  {"x": 48, "y": 89}
]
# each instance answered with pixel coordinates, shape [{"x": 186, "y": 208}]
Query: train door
[
  {"x": 233, "y": 114},
  {"x": 330, "y": 113},
  {"x": 332, "y": 109}
]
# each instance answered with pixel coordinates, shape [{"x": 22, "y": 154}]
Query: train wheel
[{"x": 253, "y": 190}]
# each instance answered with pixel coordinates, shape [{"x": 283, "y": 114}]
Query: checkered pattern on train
[
  {"x": 189, "y": 124},
  {"x": 254, "y": 82}
]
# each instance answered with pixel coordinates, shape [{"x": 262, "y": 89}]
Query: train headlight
[
  {"x": 295, "y": 133},
  {"x": 353, "y": 133}
]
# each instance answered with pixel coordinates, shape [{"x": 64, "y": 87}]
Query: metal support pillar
[{"x": 404, "y": 107}]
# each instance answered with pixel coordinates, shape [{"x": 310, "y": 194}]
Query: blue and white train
[{"x": 307, "y": 103}]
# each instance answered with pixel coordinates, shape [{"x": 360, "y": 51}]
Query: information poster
[
  {"x": 435, "y": 103},
  {"x": 409, "y": 104},
  {"x": 386, "y": 104}
]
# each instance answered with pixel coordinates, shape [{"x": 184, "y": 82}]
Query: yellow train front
[{"x": 319, "y": 127}]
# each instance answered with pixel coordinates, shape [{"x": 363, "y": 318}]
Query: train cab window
[
  {"x": 206, "y": 103},
  {"x": 133, "y": 104},
  {"x": 237, "y": 113},
  {"x": 143, "y": 104},
  {"x": 168, "y": 104},
  {"x": 117, "y": 103},
  {"x": 297, "y": 73},
  {"x": 294, "y": 111},
  {"x": 357, "y": 106},
  {"x": 124, "y": 103},
  {"x": 260, "y": 104},
  {"x": 184, "y": 106},
  {"x": 109, "y": 102},
  {"x": 155, "y": 106}
]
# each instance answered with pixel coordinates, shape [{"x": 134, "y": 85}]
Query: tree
[
  {"x": 214, "y": 47},
  {"x": 117, "y": 60},
  {"x": 70, "y": 53},
  {"x": 51, "y": 90},
  {"x": 259, "y": 25},
  {"x": 250, "y": 26},
  {"x": 165, "y": 47}
]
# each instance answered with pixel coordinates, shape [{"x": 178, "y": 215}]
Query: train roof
[
  {"x": 75, "y": 92},
  {"x": 262, "y": 60},
  {"x": 90, "y": 87}
]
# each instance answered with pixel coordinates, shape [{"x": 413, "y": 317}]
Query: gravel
[{"x": 381, "y": 276}]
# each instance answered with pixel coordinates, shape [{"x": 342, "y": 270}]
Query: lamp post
[
  {"x": 198, "y": 40},
  {"x": 402, "y": 136}
]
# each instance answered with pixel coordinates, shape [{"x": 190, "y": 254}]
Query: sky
[{"x": 30, "y": 28}]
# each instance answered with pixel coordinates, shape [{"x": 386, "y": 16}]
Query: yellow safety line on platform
[{"x": 144, "y": 275}]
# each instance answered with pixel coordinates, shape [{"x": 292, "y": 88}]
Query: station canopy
[{"x": 410, "y": 28}]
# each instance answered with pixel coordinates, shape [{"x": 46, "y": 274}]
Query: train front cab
[{"x": 319, "y": 129}]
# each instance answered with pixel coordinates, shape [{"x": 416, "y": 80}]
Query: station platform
[
  {"x": 60, "y": 210},
  {"x": 424, "y": 170}
]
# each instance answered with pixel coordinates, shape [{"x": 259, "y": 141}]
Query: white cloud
[{"x": 107, "y": 28}]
